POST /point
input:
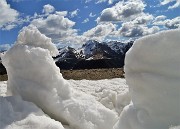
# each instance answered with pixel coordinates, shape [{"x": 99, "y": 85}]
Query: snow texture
[
  {"x": 3, "y": 88},
  {"x": 152, "y": 68},
  {"x": 32, "y": 37},
  {"x": 18, "y": 114},
  {"x": 96, "y": 89},
  {"x": 87, "y": 48},
  {"x": 112, "y": 93},
  {"x": 33, "y": 75}
]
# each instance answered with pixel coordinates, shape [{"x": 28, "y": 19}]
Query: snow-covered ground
[
  {"x": 36, "y": 96},
  {"x": 152, "y": 68},
  {"x": 102, "y": 90},
  {"x": 34, "y": 77},
  {"x": 107, "y": 91},
  {"x": 3, "y": 88}
]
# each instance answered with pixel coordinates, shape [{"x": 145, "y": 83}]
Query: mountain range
[{"x": 93, "y": 54}]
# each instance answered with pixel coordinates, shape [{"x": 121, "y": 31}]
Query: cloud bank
[{"x": 8, "y": 15}]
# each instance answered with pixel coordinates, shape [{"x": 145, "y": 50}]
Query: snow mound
[
  {"x": 33, "y": 75},
  {"x": 98, "y": 89},
  {"x": 3, "y": 88},
  {"x": 152, "y": 68},
  {"x": 112, "y": 93},
  {"x": 32, "y": 37},
  {"x": 18, "y": 114},
  {"x": 176, "y": 127}
]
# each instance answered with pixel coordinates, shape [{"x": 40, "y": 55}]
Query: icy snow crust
[
  {"x": 33, "y": 75},
  {"x": 152, "y": 68}
]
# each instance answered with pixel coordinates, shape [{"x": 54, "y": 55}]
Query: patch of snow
[
  {"x": 87, "y": 48},
  {"x": 112, "y": 93},
  {"x": 31, "y": 36},
  {"x": 152, "y": 68},
  {"x": 3, "y": 88},
  {"x": 18, "y": 114},
  {"x": 175, "y": 127},
  {"x": 33, "y": 75},
  {"x": 116, "y": 46}
]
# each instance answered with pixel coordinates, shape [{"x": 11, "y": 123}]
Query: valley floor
[{"x": 89, "y": 74}]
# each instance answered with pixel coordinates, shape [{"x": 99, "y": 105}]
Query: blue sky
[{"x": 73, "y": 22}]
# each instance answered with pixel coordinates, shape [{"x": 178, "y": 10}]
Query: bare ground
[
  {"x": 3, "y": 77},
  {"x": 89, "y": 74}
]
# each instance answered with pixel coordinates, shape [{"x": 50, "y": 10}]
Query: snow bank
[
  {"x": 32, "y": 37},
  {"x": 112, "y": 93},
  {"x": 176, "y": 127},
  {"x": 152, "y": 68},
  {"x": 18, "y": 114},
  {"x": 33, "y": 75},
  {"x": 3, "y": 88}
]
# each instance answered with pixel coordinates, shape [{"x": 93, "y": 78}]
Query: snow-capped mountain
[
  {"x": 66, "y": 53},
  {"x": 95, "y": 50},
  {"x": 93, "y": 54},
  {"x": 2, "y": 68},
  {"x": 1, "y": 53},
  {"x": 119, "y": 47}
]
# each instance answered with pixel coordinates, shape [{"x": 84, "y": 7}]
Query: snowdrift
[
  {"x": 152, "y": 68},
  {"x": 33, "y": 75},
  {"x": 18, "y": 114},
  {"x": 42, "y": 99}
]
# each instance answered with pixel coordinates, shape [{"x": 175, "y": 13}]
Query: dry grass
[
  {"x": 3, "y": 77},
  {"x": 93, "y": 74},
  {"x": 89, "y": 74}
]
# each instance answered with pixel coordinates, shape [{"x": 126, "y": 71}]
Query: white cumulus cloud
[
  {"x": 86, "y": 20},
  {"x": 101, "y": 1},
  {"x": 56, "y": 26},
  {"x": 122, "y": 10},
  {"x": 74, "y": 13},
  {"x": 7, "y": 15},
  {"x": 143, "y": 19},
  {"x": 159, "y": 18},
  {"x": 176, "y": 5},
  {"x": 109, "y": 1},
  {"x": 48, "y": 9},
  {"x": 4, "y": 46},
  {"x": 129, "y": 29},
  {"x": 173, "y": 23},
  {"x": 168, "y": 23},
  {"x": 92, "y": 15},
  {"x": 100, "y": 31}
]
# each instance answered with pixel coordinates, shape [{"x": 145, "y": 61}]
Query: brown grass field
[{"x": 89, "y": 74}]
